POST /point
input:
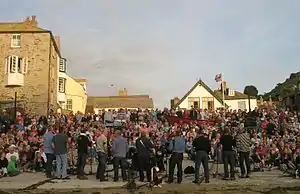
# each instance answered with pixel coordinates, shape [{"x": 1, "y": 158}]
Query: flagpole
[{"x": 223, "y": 90}]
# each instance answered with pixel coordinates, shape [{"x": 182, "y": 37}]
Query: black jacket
[
  {"x": 201, "y": 143},
  {"x": 144, "y": 146}
]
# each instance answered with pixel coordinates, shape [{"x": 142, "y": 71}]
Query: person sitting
[
  {"x": 12, "y": 169},
  {"x": 3, "y": 165}
]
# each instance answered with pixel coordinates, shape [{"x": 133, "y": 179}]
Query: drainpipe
[{"x": 49, "y": 78}]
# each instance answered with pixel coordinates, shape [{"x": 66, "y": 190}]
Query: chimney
[
  {"x": 33, "y": 18},
  {"x": 57, "y": 41},
  {"x": 31, "y": 21},
  {"x": 123, "y": 92}
]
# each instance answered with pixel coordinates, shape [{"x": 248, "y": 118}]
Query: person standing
[
  {"x": 144, "y": 146},
  {"x": 119, "y": 151},
  {"x": 177, "y": 146},
  {"x": 101, "y": 148},
  {"x": 243, "y": 144},
  {"x": 202, "y": 147},
  {"x": 59, "y": 144},
  {"x": 83, "y": 142},
  {"x": 49, "y": 151},
  {"x": 228, "y": 142}
]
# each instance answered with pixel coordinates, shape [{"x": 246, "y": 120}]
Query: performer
[
  {"x": 243, "y": 144},
  {"x": 228, "y": 142},
  {"x": 177, "y": 146},
  {"x": 144, "y": 149},
  {"x": 202, "y": 147},
  {"x": 83, "y": 142},
  {"x": 101, "y": 148},
  {"x": 119, "y": 150}
]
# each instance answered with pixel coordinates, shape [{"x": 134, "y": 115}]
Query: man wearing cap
[
  {"x": 202, "y": 147},
  {"x": 119, "y": 151},
  {"x": 177, "y": 146},
  {"x": 243, "y": 144}
]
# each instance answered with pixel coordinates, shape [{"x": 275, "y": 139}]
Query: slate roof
[
  {"x": 130, "y": 101},
  {"x": 27, "y": 26},
  {"x": 237, "y": 95}
]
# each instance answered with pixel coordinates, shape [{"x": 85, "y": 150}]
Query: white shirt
[{"x": 9, "y": 155}]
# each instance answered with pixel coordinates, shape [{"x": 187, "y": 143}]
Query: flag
[{"x": 218, "y": 77}]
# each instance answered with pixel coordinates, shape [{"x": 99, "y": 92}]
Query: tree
[{"x": 251, "y": 90}]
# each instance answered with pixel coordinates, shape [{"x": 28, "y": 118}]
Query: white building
[{"x": 201, "y": 96}]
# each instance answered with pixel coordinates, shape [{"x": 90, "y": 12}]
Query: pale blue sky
[{"x": 162, "y": 47}]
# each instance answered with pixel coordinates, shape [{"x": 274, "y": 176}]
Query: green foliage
[
  {"x": 251, "y": 90},
  {"x": 289, "y": 86}
]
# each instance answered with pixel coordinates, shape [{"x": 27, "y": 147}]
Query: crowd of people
[{"x": 62, "y": 144}]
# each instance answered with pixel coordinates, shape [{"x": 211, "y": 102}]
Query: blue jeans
[
  {"x": 101, "y": 165},
  {"x": 61, "y": 165}
]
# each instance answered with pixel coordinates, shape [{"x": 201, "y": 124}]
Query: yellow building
[{"x": 76, "y": 95}]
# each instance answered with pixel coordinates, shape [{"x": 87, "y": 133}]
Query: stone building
[{"x": 30, "y": 62}]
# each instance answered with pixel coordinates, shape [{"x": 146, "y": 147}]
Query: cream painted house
[
  {"x": 76, "y": 95},
  {"x": 201, "y": 96}
]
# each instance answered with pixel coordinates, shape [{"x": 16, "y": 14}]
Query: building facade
[
  {"x": 200, "y": 96},
  {"x": 75, "y": 95},
  {"x": 123, "y": 100},
  {"x": 30, "y": 64}
]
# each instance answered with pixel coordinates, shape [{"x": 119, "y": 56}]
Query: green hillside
[{"x": 289, "y": 86}]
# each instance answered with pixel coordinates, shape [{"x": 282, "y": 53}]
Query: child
[
  {"x": 3, "y": 165},
  {"x": 12, "y": 169},
  {"x": 39, "y": 162}
]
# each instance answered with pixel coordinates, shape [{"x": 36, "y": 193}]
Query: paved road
[{"x": 37, "y": 181}]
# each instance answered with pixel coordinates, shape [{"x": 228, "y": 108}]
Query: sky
[{"x": 162, "y": 47}]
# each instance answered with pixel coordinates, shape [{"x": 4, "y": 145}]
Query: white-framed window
[
  {"x": 69, "y": 105},
  {"x": 231, "y": 92},
  {"x": 63, "y": 65},
  {"x": 242, "y": 105},
  {"x": 16, "y": 64},
  {"x": 16, "y": 40},
  {"x": 61, "y": 85}
]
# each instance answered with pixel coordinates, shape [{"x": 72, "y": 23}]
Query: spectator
[{"x": 59, "y": 144}]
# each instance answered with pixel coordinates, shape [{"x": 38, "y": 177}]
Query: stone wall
[{"x": 35, "y": 92}]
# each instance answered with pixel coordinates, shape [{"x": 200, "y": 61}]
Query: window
[
  {"x": 62, "y": 65},
  {"x": 61, "y": 85},
  {"x": 242, "y": 105},
  {"x": 16, "y": 40},
  {"x": 231, "y": 92},
  {"x": 15, "y": 64},
  {"x": 193, "y": 102},
  {"x": 69, "y": 104}
]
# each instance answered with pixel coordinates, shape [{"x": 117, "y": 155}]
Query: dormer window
[
  {"x": 231, "y": 92},
  {"x": 16, "y": 64},
  {"x": 62, "y": 65},
  {"x": 16, "y": 41}
]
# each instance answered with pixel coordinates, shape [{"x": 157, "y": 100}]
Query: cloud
[{"x": 162, "y": 48}]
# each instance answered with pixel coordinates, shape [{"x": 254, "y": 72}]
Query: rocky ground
[{"x": 272, "y": 182}]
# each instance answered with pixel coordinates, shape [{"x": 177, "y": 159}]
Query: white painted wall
[
  {"x": 199, "y": 92},
  {"x": 233, "y": 104}
]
